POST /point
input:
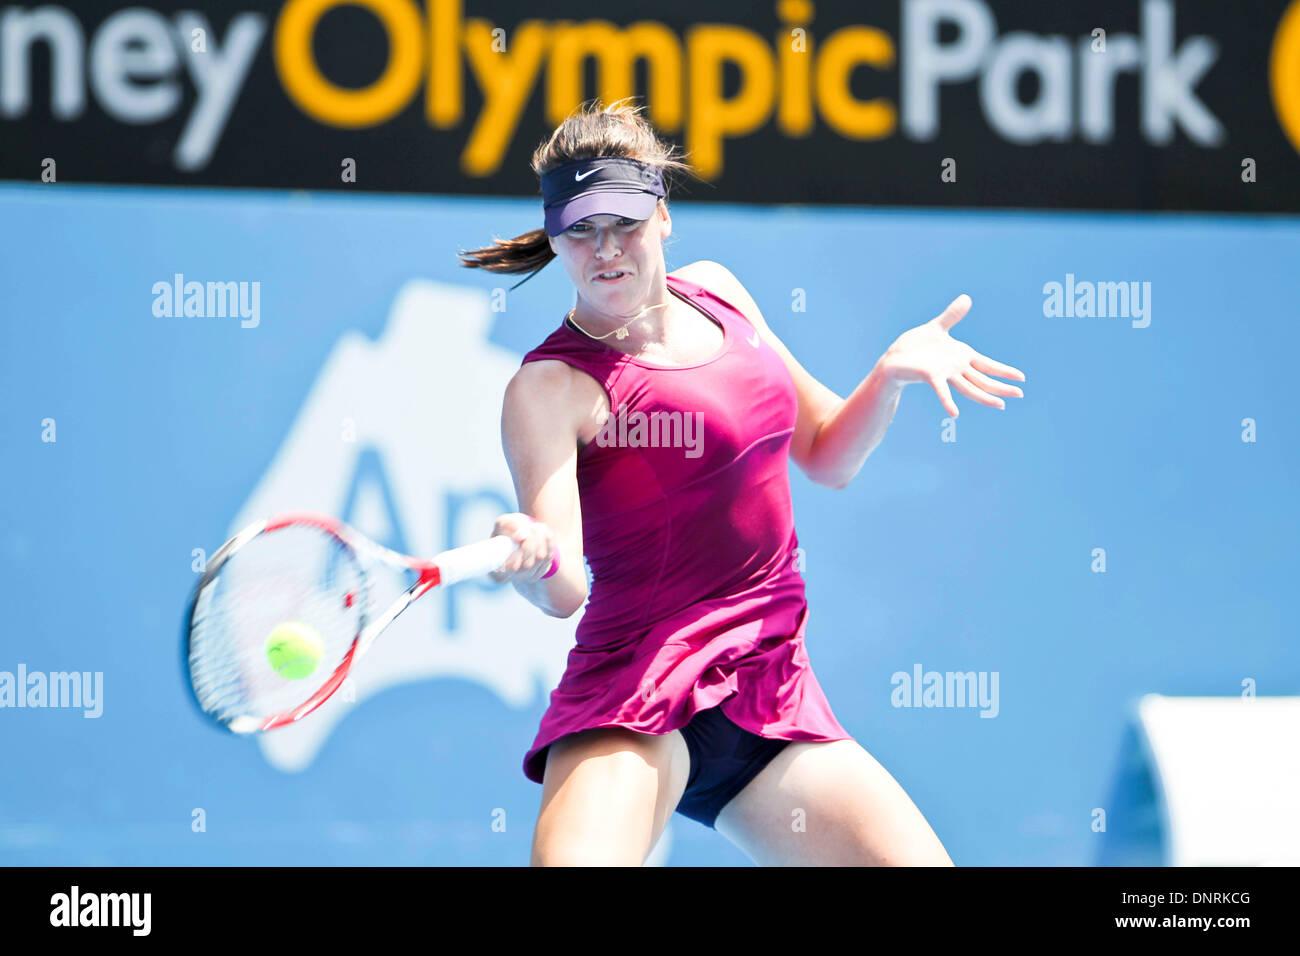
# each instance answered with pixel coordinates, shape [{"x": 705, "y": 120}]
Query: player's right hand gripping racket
[{"x": 284, "y": 610}]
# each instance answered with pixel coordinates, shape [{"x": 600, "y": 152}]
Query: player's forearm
[
  {"x": 851, "y": 432},
  {"x": 560, "y": 595}
]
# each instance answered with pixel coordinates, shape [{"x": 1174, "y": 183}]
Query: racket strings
[{"x": 299, "y": 575}]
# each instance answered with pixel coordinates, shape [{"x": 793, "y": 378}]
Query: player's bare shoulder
[
  {"x": 720, "y": 280},
  {"x": 553, "y": 396},
  {"x": 545, "y": 389}
]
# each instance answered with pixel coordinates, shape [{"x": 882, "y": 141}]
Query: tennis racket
[{"x": 292, "y": 594}]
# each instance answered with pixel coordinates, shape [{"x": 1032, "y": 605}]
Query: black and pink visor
[{"x": 613, "y": 186}]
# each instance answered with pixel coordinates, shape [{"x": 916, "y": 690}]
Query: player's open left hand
[{"x": 929, "y": 354}]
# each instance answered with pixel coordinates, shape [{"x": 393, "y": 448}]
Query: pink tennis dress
[{"x": 695, "y": 600}]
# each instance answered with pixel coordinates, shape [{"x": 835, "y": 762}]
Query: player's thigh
[
  {"x": 607, "y": 794},
  {"x": 829, "y": 804}
]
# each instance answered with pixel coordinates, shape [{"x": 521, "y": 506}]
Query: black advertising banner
[{"x": 1140, "y": 104}]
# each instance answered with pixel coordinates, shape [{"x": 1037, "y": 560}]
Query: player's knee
[{"x": 569, "y": 852}]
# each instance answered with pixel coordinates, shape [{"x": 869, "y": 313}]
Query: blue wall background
[{"x": 973, "y": 555}]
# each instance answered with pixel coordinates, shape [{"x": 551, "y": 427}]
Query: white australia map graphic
[{"x": 425, "y": 401}]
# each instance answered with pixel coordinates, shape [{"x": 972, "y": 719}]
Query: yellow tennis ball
[{"x": 294, "y": 650}]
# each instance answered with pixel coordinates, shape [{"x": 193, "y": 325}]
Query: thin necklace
[{"x": 621, "y": 332}]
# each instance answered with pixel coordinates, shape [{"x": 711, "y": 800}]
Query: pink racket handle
[{"x": 555, "y": 558}]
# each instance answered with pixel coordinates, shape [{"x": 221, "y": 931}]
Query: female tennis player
[{"x": 651, "y": 434}]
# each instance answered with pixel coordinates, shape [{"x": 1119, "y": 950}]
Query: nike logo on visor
[{"x": 579, "y": 177}]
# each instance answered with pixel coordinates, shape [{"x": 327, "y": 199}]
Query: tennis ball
[{"x": 294, "y": 650}]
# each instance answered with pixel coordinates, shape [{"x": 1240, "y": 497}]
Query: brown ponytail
[{"x": 590, "y": 131}]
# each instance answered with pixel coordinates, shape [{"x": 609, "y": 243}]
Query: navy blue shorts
[{"x": 724, "y": 758}]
